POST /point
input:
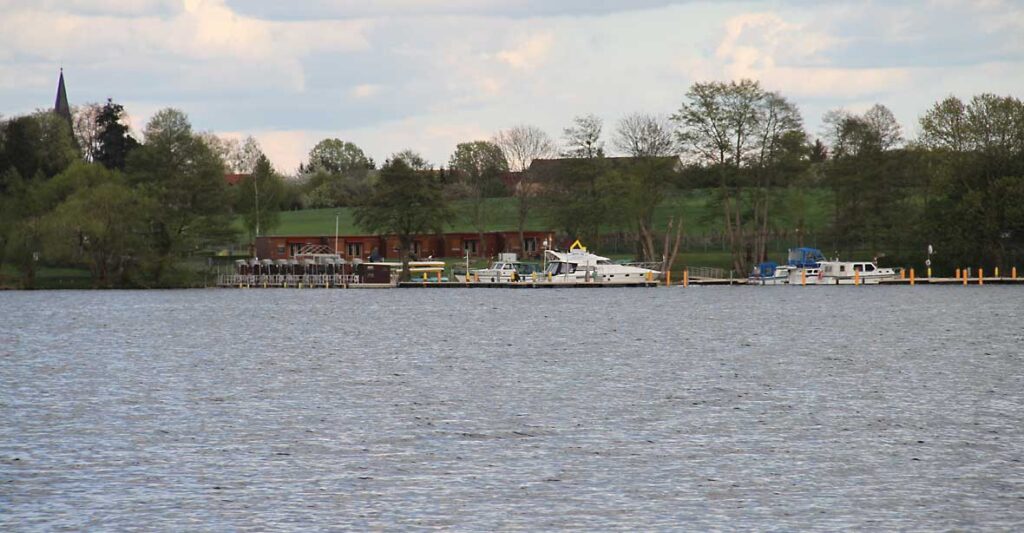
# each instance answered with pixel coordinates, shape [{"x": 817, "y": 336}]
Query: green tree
[
  {"x": 647, "y": 179},
  {"x": 100, "y": 225},
  {"x": 338, "y": 157},
  {"x": 478, "y": 167},
  {"x": 33, "y": 201},
  {"x": 39, "y": 145},
  {"x": 872, "y": 181},
  {"x": 185, "y": 178},
  {"x": 405, "y": 203},
  {"x": 522, "y": 145},
  {"x": 973, "y": 211},
  {"x": 258, "y": 198},
  {"x": 580, "y": 195},
  {"x": 745, "y": 134},
  {"x": 113, "y": 140},
  {"x": 413, "y": 160}
]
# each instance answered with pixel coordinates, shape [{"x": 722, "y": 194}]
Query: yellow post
[
  {"x": 965, "y": 277},
  {"x": 997, "y": 272},
  {"x": 1013, "y": 273},
  {"x": 903, "y": 273},
  {"x": 929, "y": 272},
  {"x": 668, "y": 279},
  {"x": 649, "y": 275},
  {"x": 803, "y": 278},
  {"x": 958, "y": 273},
  {"x": 856, "y": 278},
  {"x": 981, "y": 275},
  {"x": 549, "y": 277},
  {"x": 911, "y": 277},
  {"x": 439, "y": 276},
  {"x": 686, "y": 278}
]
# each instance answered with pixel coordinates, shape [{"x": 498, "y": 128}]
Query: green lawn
[
  {"x": 700, "y": 215},
  {"x": 48, "y": 278}
]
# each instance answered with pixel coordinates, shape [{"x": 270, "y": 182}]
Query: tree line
[
  {"x": 138, "y": 213},
  {"x": 133, "y": 213}
]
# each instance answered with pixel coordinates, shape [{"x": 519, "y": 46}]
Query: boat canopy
[
  {"x": 805, "y": 257},
  {"x": 766, "y": 269}
]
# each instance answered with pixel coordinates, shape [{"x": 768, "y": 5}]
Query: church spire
[{"x": 61, "y": 106}]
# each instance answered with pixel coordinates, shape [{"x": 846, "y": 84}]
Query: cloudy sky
[{"x": 427, "y": 74}]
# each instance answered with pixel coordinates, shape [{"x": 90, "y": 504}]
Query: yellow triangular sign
[{"x": 578, "y": 246}]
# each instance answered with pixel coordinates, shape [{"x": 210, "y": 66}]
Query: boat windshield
[{"x": 560, "y": 268}]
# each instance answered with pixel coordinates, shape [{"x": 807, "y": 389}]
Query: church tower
[{"x": 61, "y": 106}]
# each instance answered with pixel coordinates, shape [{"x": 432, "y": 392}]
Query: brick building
[{"x": 362, "y": 247}]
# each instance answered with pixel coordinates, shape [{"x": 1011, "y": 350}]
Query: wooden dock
[
  {"x": 955, "y": 281},
  {"x": 518, "y": 285}
]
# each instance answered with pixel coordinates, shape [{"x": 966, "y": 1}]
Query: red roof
[{"x": 233, "y": 179}]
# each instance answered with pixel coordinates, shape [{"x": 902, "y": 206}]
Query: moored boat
[
  {"x": 853, "y": 272},
  {"x": 506, "y": 269},
  {"x": 580, "y": 266},
  {"x": 769, "y": 273}
]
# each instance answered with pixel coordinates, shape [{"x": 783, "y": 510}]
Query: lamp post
[
  {"x": 256, "y": 199},
  {"x": 928, "y": 261},
  {"x": 544, "y": 256}
]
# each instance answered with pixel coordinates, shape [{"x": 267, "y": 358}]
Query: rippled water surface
[{"x": 773, "y": 408}]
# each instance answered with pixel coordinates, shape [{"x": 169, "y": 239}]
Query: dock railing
[
  {"x": 287, "y": 280},
  {"x": 697, "y": 272}
]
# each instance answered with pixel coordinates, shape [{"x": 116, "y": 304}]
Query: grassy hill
[{"x": 700, "y": 214}]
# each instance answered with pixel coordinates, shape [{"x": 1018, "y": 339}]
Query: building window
[
  {"x": 280, "y": 249},
  {"x": 469, "y": 246},
  {"x": 416, "y": 248},
  {"x": 354, "y": 249},
  {"x": 294, "y": 249},
  {"x": 531, "y": 244}
]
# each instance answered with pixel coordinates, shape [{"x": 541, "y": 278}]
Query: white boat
[
  {"x": 580, "y": 266},
  {"x": 809, "y": 275},
  {"x": 506, "y": 269},
  {"x": 853, "y": 272},
  {"x": 770, "y": 273}
]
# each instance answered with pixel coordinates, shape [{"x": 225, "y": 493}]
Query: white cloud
[
  {"x": 365, "y": 90},
  {"x": 528, "y": 54},
  {"x": 429, "y": 74},
  {"x": 197, "y": 41},
  {"x": 788, "y": 57}
]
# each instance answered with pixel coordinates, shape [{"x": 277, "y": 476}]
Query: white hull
[
  {"x": 866, "y": 280},
  {"x": 854, "y": 273},
  {"x": 804, "y": 276},
  {"x": 571, "y": 279}
]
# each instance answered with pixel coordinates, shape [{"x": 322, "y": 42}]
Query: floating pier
[{"x": 519, "y": 285}]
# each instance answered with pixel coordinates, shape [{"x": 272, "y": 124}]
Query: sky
[{"x": 427, "y": 74}]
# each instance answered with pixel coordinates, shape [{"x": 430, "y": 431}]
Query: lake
[{"x": 767, "y": 408}]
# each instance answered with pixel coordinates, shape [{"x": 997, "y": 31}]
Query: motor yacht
[
  {"x": 580, "y": 266},
  {"x": 506, "y": 269},
  {"x": 853, "y": 272}
]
